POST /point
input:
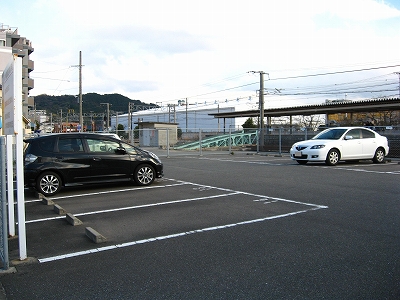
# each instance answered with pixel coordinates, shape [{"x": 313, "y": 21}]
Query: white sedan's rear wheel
[{"x": 379, "y": 156}]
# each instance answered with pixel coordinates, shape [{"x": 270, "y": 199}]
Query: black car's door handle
[{"x": 96, "y": 158}]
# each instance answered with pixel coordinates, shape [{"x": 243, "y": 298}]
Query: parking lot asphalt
[{"x": 219, "y": 226}]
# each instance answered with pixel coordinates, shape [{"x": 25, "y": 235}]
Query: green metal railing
[{"x": 226, "y": 140}]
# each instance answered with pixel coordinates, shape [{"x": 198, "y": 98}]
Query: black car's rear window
[{"x": 46, "y": 144}]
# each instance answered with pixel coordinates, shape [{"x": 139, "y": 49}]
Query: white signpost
[{"x": 13, "y": 127}]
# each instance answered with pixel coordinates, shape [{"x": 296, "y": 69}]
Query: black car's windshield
[
  {"x": 330, "y": 134},
  {"x": 130, "y": 149}
]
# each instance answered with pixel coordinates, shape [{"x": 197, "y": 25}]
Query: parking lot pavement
[
  {"x": 161, "y": 152},
  {"x": 186, "y": 208},
  {"x": 220, "y": 226}
]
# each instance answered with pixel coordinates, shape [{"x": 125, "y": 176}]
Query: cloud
[
  {"x": 159, "y": 50},
  {"x": 362, "y": 10},
  {"x": 156, "y": 41}
]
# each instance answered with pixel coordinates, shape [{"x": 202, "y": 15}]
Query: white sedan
[{"x": 341, "y": 143}]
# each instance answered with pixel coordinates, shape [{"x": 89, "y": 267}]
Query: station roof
[{"x": 325, "y": 108}]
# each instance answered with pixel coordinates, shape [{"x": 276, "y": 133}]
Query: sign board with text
[
  {"x": 12, "y": 97},
  {"x": 13, "y": 128}
]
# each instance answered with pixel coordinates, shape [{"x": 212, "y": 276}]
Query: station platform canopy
[{"x": 325, "y": 108}]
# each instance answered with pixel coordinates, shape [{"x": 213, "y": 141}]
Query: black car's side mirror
[{"x": 120, "y": 150}]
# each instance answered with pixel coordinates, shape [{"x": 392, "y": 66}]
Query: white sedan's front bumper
[{"x": 308, "y": 154}]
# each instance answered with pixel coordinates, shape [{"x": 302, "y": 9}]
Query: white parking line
[
  {"x": 359, "y": 170},
  {"x": 200, "y": 187},
  {"x": 256, "y": 162},
  {"x": 170, "y": 236},
  {"x": 274, "y": 163},
  {"x": 109, "y": 192}
]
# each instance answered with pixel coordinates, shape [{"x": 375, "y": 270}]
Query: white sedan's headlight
[{"x": 317, "y": 147}]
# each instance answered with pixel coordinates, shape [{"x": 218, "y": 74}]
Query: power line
[
  {"x": 293, "y": 77},
  {"x": 333, "y": 73}
]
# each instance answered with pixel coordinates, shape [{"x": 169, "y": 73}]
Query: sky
[{"x": 162, "y": 51}]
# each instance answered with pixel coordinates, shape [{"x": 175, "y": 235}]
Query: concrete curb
[
  {"x": 71, "y": 219},
  {"x": 59, "y": 210},
  {"x": 94, "y": 235},
  {"x": 46, "y": 201}
]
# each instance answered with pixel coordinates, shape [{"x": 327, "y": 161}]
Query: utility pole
[
  {"x": 261, "y": 106},
  {"x": 186, "y": 103},
  {"x": 80, "y": 90},
  {"x": 398, "y": 73},
  {"x": 131, "y": 108},
  {"x": 108, "y": 114}
]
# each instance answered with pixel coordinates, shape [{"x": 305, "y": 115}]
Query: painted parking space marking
[
  {"x": 275, "y": 162},
  {"x": 256, "y": 162},
  {"x": 358, "y": 170},
  {"x": 222, "y": 194},
  {"x": 170, "y": 236},
  {"x": 138, "y": 206}
]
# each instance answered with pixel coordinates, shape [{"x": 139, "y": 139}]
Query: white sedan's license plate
[{"x": 297, "y": 154}]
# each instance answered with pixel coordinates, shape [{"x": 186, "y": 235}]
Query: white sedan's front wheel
[{"x": 333, "y": 157}]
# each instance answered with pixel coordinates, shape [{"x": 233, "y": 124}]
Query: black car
[{"x": 56, "y": 160}]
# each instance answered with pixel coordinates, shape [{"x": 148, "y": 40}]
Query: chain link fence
[{"x": 276, "y": 139}]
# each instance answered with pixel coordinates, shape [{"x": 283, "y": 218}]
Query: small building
[{"x": 155, "y": 134}]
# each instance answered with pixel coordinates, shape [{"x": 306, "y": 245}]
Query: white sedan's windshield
[{"x": 330, "y": 134}]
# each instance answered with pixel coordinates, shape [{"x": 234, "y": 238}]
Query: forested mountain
[{"x": 90, "y": 103}]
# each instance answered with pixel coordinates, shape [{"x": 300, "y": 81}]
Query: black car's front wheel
[
  {"x": 144, "y": 174},
  {"x": 48, "y": 183}
]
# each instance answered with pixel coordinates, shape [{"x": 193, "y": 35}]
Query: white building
[{"x": 192, "y": 118}]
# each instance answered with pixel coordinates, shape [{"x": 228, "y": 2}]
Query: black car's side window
[
  {"x": 70, "y": 145},
  {"x": 102, "y": 146},
  {"x": 47, "y": 144}
]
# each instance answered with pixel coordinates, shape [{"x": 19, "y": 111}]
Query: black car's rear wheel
[
  {"x": 48, "y": 183},
  {"x": 144, "y": 174}
]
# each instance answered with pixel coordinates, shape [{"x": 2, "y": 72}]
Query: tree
[
  {"x": 249, "y": 124},
  {"x": 310, "y": 122}
]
